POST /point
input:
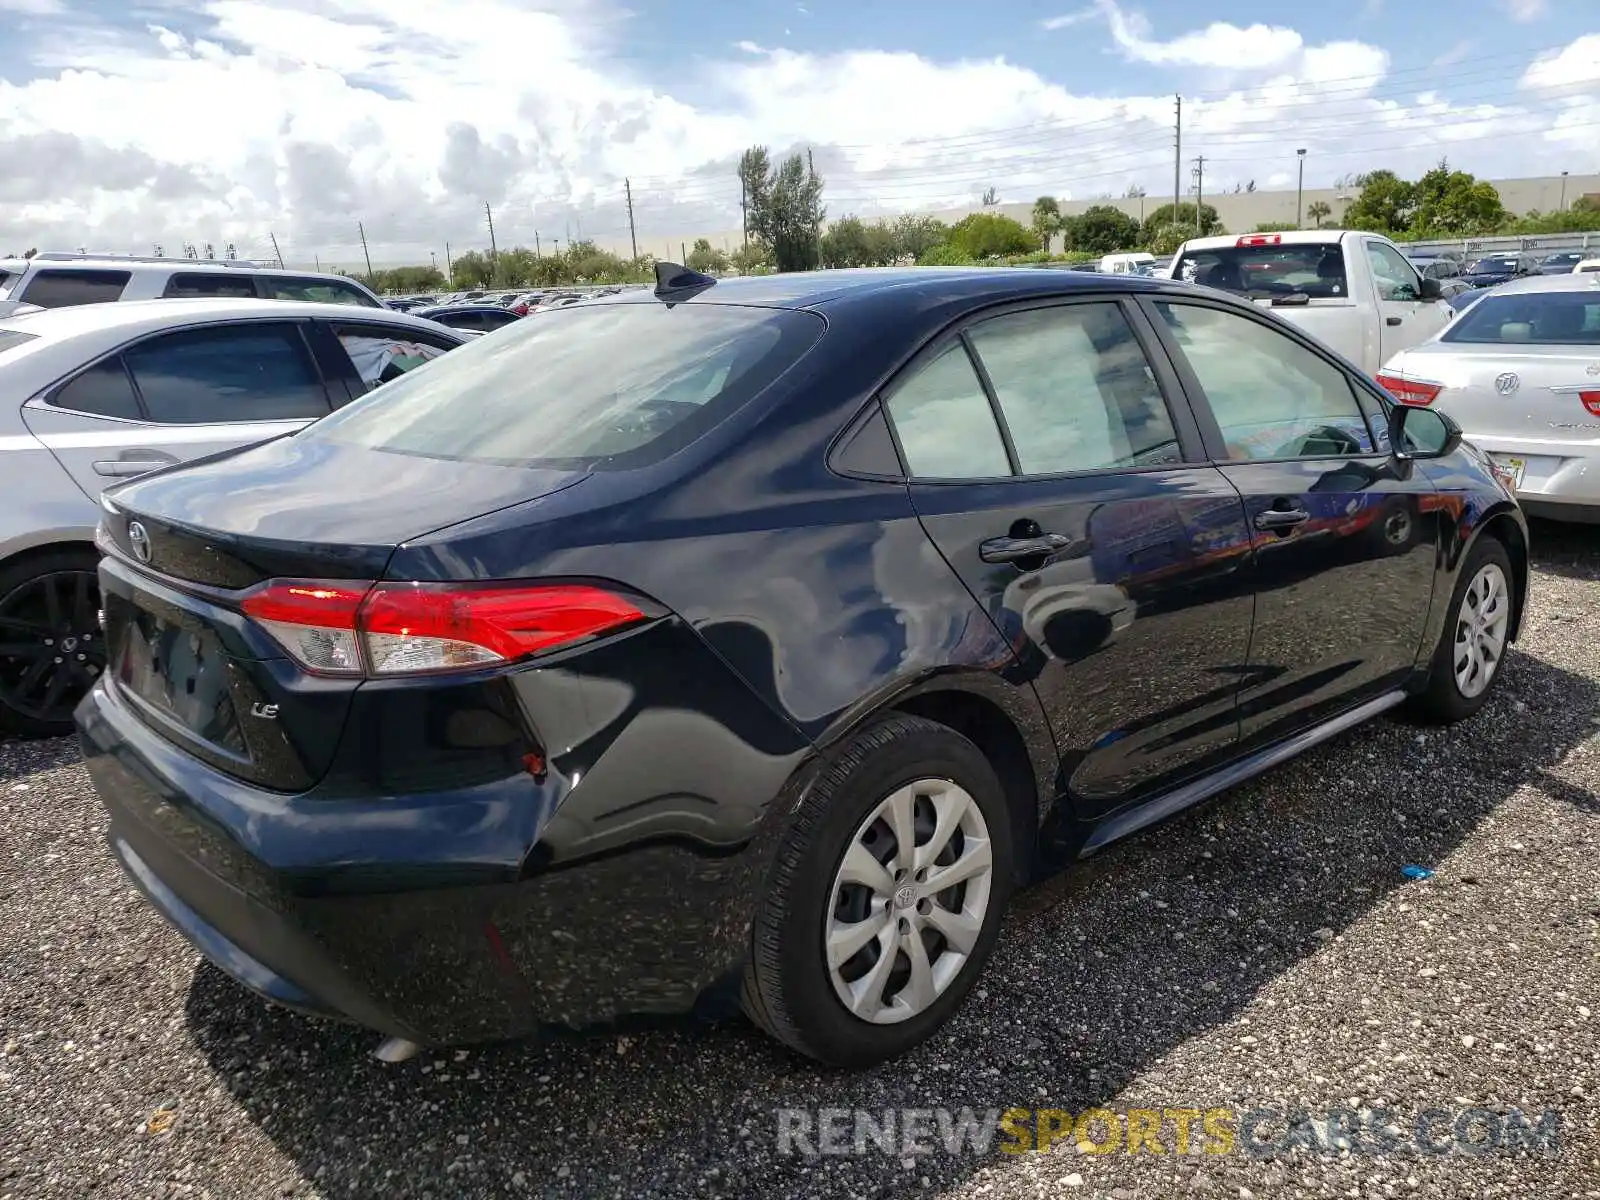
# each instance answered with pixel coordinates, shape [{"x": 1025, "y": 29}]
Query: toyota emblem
[
  {"x": 139, "y": 540},
  {"x": 1506, "y": 383}
]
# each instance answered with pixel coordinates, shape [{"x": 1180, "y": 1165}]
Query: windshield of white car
[
  {"x": 1493, "y": 264},
  {"x": 1530, "y": 318},
  {"x": 1314, "y": 269}
]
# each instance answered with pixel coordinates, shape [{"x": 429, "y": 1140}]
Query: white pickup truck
[{"x": 1353, "y": 291}]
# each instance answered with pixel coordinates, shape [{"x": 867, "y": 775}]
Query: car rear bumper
[
  {"x": 1555, "y": 472},
  {"x": 408, "y": 941}
]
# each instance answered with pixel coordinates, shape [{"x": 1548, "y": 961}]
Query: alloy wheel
[
  {"x": 51, "y": 646},
  {"x": 1481, "y": 627},
  {"x": 908, "y": 901}
]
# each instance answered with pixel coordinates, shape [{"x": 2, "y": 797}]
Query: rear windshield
[
  {"x": 1498, "y": 263},
  {"x": 8, "y": 279},
  {"x": 1537, "y": 318},
  {"x": 1314, "y": 269},
  {"x": 601, "y": 384}
]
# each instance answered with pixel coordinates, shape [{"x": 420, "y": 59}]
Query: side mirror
[
  {"x": 1421, "y": 433},
  {"x": 1430, "y": 289}
]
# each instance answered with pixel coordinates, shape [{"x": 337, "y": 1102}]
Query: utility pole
[
  {"x": 1177, "y": 158},
  {"x": 276, "y": 251},
  {"x": 744, "y": 213},
  {"x": 318, "y": 259},
  {"x": 362, "y": 231},
  {"x": 633, "y": 235},
  {"x": 537, "y": 251},
  {"x": 1563, "y": 191},
  {"x": 683, "y": 253},
  {"x": 449, "y": 267},
  {"x": 1299, "y": 187},
  {"x": 494, "y": 253},
  {"x": 1199, "y": 192}
]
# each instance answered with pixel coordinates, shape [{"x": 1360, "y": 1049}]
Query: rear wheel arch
[{"x": 988, "y": 727}]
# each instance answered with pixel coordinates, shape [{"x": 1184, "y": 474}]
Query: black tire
[
  {"x": 30, "y": 671},
  {"x": 1442, "y": 702},
  {"x": 787, "y": 987}
]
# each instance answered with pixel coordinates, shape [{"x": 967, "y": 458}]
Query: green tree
[
  {"x": 705, "y": 259},
  {"x": 850, "y": 242},
  {"x": 755, "y": 175},
  {"x": 915, "y": 235},
  {"x": 784, "y": 208},
  {"x": 1384, "y": 205},
  {"x": 1276, "y": 227},
  {"x": 1102, "y": 229},
  {"x": 1181, "y": 215},
  {"x": 1319, "y": 212},
  {"x": 1455, "y": 204},
  {"x": 471, "y": 270},
  {"x": 1166, "y": 240},
  {"x": 1046, "y": 218},
  {"x": 943, "y": 254},
  {"x": 990, "y": 235},
  {"x": 753, "y": 259}
]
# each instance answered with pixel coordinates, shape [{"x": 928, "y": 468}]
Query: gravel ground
[{"x": 1264, "y": 952}]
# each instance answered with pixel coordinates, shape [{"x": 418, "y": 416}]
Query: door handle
[
  {"x": 125, "y": 468},
  {"x": 1011, "y": 549},
  {"x": 1278, "y": 519},
  {"x": 1393, "y": 320}
]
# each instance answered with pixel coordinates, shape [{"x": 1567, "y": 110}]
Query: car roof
[
  {"x": 1548, "y": 283},
  {"x": 811, "y": 289},
  {"x": 134, "y": 317}
]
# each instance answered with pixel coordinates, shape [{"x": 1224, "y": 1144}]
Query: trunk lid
[
  {"x": 1500, "y": 391},
  {"x": 184, "y": 545}
]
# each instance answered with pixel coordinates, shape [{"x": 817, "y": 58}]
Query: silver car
[
  {"x": 1519, "y": 370},
  {"x": 93, "y": 394}
]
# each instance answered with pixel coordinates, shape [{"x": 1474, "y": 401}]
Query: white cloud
[
  {"x": 1455, "y": 54},
  {"x": 236, "y": 119},
  {"x": 1575, "y": 66},
  {"x": 1526, "y": 10},
  {"x": 1068, "y": 20}
]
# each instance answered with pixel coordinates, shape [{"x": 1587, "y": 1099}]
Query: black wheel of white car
[
  {"x": 886, "y": 897},
  {"x": 51, "y": 649},
  {"x": 1473, "y": 644}
]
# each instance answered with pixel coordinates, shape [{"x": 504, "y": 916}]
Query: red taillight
[
  {"x": 1418, "y": 392},
  {"x": 520, "y": 309},
  {"x": 386, "y": 629},
  {"x": 1260, "y": 239},
  {"x": 1591, "y": 401}
]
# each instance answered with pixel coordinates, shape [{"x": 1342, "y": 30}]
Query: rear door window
[
  {"x": 380, "y": 355},
  {"x": 104, "y": 390},
  {"x": 257, "y": 372},
  {"x": 609, "y": 385},
  {"x": 210, "y": 283},
  {"x": 316, "y": 290},
  {"x": 1076, "y": 390},
  {"x": 61, "y": 288}
]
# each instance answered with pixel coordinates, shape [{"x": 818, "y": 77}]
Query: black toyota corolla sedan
[{"x": 759, "y": 637}]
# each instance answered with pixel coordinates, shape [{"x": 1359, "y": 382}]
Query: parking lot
[{"x": 1265, "y": 951}]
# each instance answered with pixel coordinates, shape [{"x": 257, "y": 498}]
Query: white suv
[
  {"x": 55, "y": 279},
  {"x": 92, "y": 394}
]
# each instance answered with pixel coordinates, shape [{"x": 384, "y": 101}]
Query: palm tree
[{"x": 1318, "y": 211}]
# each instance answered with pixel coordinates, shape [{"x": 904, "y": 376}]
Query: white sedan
[{"x": 1520, "y": 372}]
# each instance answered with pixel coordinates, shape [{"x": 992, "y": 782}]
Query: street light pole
[
  {"x": 1563, "y": 191},
  {"x": 1300, "y": 188}
]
